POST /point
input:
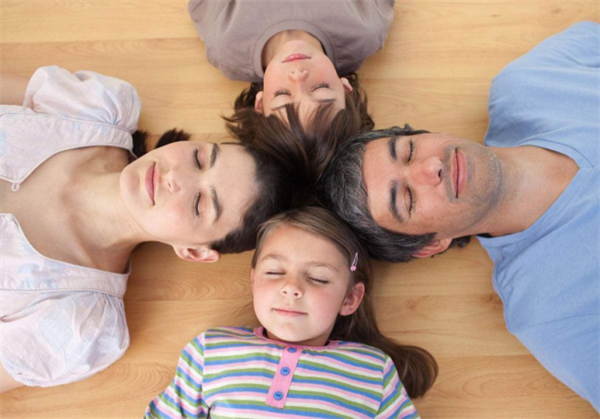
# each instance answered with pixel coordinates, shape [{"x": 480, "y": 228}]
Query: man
[{"x": 531, "y": 195}]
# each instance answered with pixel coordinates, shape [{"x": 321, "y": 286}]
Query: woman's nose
[
  {"x": 172, "y": 182},
  {"x": 298, "y": 75}
]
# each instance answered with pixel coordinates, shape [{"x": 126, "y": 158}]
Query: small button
[
  {"x": 285, "y": 371},
  {"x": 278, "y": 395},
  {"x": 292, "y": 350}
]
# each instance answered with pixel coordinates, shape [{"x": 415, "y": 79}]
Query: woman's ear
[
  {"x": 346, "y": 84},
  {"x": 258, "y": 103},
  {"x": 433, "y": 248},
  {"x": 197, "y": 254},
  {"x": 353, "y": 299}
]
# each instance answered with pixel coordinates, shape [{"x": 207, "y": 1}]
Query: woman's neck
[
  {"x": 278, "y": 40},
  {"x": 104, "y": 228}
]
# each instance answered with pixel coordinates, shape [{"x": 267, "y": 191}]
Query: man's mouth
[{"x": 460, "y": 172}]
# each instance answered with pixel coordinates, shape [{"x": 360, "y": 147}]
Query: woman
[{"x": 74, "y": 203}]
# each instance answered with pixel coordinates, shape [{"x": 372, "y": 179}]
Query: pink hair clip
[{"x": 354, "y": 262}]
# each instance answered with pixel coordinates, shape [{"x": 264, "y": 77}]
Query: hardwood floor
[{"x": 434, "y": 73}]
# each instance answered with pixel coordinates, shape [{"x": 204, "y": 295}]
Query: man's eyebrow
[
  {"x": 216, "y": 204},
  {"x": 215, "y": 152},
  {"x": 392, "y": 204},
  {"x": 392, "y": 146}
]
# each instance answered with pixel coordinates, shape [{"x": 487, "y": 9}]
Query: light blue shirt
[{"x": 548, "y": 275}]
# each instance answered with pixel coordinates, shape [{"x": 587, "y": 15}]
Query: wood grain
[{"x": 434, "y": 73}]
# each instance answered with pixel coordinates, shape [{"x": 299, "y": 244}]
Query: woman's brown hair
[{"x": 416, "y": 367}]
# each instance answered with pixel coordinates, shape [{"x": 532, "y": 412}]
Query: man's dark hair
[
  {"x": 342, "y": 190},
  {"x": 269, "y": 199}
]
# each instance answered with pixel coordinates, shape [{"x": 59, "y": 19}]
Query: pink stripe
[
  {"x": 344, "y": 366},
  {"x": 338, "y": 378},
  {"x": 336, "y": 391},
  {"x": 240, "y": 379},
  {"x": 183, "y": 403},
  {"x": 242, "y": 350}
]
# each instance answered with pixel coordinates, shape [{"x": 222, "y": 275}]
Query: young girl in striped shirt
[{"x": 318, "y": 353}]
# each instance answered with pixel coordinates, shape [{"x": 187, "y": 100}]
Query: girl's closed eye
[{"x": 318, "y": 280}]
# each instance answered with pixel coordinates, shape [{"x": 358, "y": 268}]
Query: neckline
[
  {"x": 260, "y": 333},
  {"x": 102, "y": 272}
]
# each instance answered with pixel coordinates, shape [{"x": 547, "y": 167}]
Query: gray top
[{"x": 235, "y": 32}]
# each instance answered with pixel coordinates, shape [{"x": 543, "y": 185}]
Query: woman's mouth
[
  {"x": 296, "y": 57},
  {"x": 150, "y": 183}
]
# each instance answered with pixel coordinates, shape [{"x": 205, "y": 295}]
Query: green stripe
[
  {"x": 233, "y": 403},
  {"x": 340, "y": 382},
  {"x": 219, "y": 372},
  {"x": 344, "y": 372},
  {"x": 341, "y": 400}
]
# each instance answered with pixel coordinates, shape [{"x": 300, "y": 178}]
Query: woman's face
[
  {"x": 189, "y": 194},
  {"x": 302, "y": 75},
  {"x": 301, "y": 283}
]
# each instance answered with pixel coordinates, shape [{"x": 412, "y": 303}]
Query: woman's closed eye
[
  {"x": 282, "y": 92},
  {"x": 196, "y": 205}
]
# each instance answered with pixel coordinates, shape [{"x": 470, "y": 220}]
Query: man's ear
[
  {"x": 353, "y": 299},
  {"x": 346, "y": 84},
  {"x": 197, "y": 254},
  {"x": 433, "y": 248},
  {"x": 258, "y": 103}
]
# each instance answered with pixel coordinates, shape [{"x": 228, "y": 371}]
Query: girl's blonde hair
[{"x": 416, "y": 367}]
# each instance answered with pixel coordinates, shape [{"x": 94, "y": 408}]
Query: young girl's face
[{"x": 301, "y": 283}]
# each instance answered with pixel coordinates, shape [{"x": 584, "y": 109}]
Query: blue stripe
[
  {"x": 353, "y": 390},
  {"x": 364, "y": 365},
  {"x": 197, "y": 385},
  {"x": 186, "y": 355},
  {"x": 285, "y": 411},
  {"x": 179, "y": 391},
  {"x": 181, "y": 409},
  {"x": 254, "y": 346},
  {"x": 234, "y": 374},
  {"x": 154, "y": 409},
  {"x": 340, "y": 373},
  {"x": 330, "y": 400},
  {"x": 239, "y": 359}
]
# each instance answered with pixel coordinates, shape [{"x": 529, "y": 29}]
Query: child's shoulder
[
  {"x": 227, "y": 333},
  {"x": 362, "y": 351}
]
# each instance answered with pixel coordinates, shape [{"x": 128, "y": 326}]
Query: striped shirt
[{"x": 238, "y": 373}]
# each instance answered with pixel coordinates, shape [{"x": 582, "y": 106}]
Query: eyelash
[
  {"x": 197, "y": 199},
  {"x": 319, "y": 281},
  {"x": 318, "y": 86}
]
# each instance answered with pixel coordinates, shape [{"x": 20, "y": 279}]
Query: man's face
[{"x": 430, "y": 183}]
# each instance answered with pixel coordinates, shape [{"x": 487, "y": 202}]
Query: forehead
[
  {"x": 378, "y": 174},
  {"x": 299, "y": 245}
]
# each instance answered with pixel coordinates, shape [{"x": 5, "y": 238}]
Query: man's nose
[
  {"x": 298, "y": 75},
  {"x": 428, "y": 171}
]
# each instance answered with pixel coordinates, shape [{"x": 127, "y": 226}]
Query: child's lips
[{"x": 289, "y": 312}]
